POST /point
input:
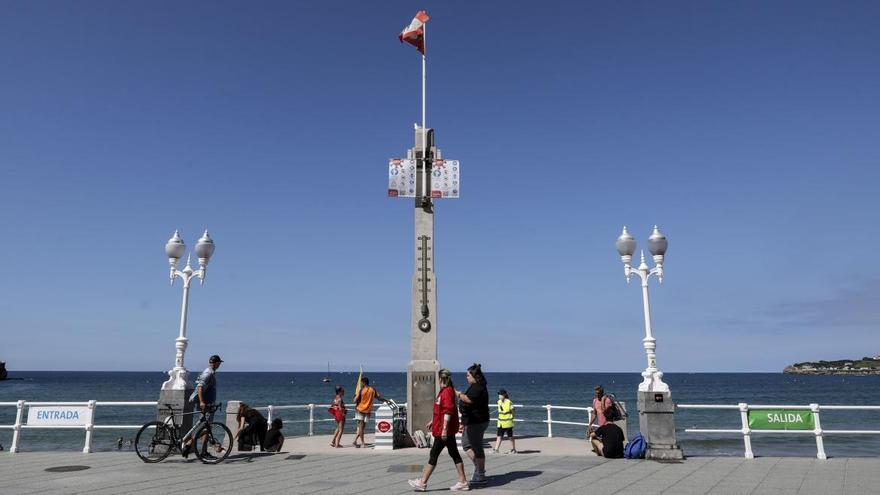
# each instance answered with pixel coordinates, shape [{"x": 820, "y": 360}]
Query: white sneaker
[
  {"x": 512, "y": 451},
  {"x": 417, "y": 485},
  {"x": 460, "y": 487}
]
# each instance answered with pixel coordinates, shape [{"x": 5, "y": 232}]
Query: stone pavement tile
[
  {"x": 787, "y": 474},
  {"x": 662, "y": 480},
  {"x": 588, "y": 477},
  {"x": 706, "y": 477}
]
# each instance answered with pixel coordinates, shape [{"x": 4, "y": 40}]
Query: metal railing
[
  {"x": 549, "y": 408},
  {"x": 89, "y": 428},
  {"x": 271, "y": 412},
  {"x": 747, "y": 431}
]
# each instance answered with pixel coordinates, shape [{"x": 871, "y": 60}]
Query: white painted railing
[
  {"x": 272, "y": 409},
  {"x": 747, "y": 432},
  {"x": 20, "y": 425}
]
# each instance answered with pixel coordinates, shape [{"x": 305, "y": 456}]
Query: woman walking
[
  {"x": 443, "y": 428},
  {"x": 505, "y": 421},
  {"x": 474, "y": 407},
  {"x": 337, "y": 409}
]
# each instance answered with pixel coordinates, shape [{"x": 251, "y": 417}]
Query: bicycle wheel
[
  {"x": 213, "y": 443},
  {"x": 154, "y": 441}
]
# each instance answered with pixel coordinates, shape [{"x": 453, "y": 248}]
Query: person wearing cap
[
  {"x": 443, "y": 426},
  {"x": 505, "y": 421},
  {"x": 206, "y": 387}
]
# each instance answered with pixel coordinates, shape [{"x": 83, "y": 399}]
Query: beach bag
[
  {"x": 636, "y": 448},
  {"x": 419, "y": 439},
  {"x": 616, "y": 412}
]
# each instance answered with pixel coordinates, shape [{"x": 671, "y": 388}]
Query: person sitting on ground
[
  {"x": 505, "y": 421},
  {"x": 364, "y": 400},
  {"x": 607, "y": 441},
  {"x": 274, "y": 439},
  {"x": 251, "y": 428}
]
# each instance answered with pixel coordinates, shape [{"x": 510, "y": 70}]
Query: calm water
[{"x": 571, "y": 389}]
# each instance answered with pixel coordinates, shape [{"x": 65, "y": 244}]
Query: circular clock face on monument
[{"x": 425, "y": 325}]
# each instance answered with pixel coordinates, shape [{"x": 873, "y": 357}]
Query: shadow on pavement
[{"x": 503, "y": 479}]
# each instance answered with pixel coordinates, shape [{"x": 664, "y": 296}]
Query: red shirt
[
  {"x": 600, "y": 407},
  {"x": 445, "y": 404}
]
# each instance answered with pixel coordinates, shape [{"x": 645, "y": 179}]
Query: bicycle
[{"x": 156, "y": 445}]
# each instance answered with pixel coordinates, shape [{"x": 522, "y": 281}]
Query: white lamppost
[
  {"x": 657, "y": 244},
  {"x": 174, "y": 249}
]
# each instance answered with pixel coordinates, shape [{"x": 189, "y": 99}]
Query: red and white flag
[{"x": 414, "y": 34}]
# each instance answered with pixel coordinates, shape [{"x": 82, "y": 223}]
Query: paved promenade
[{"x": 311, "y": 467}]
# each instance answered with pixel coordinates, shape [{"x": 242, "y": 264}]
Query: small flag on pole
[{"x": 414, "y": 34}]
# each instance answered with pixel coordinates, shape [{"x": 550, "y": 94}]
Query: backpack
[
  {"x": 420, "y": 440},
  {"x": 636, "y": 448},
  {"x": 616, "y": 412}
]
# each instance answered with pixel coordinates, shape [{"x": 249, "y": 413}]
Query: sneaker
[
  {"x": 479, "y": 478},
  {"x": 494, "y": 450},
  {"x": 417, "y": 485},
  {"x": 512, "y": 451},
  {"x": 185, "y": 451},
  {"x": 460, "y": 487}
]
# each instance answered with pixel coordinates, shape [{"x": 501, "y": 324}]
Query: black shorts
[{"x": 502, "y": 431}]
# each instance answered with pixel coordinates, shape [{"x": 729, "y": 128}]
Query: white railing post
[
  {"x": 311, "y": 420},
  {"x": 269, "y": 415},
  {"x": 16, "y": 433},
  {"x": 549, "y": 421},
  {"x": 746, "y": 431},
  {"x": 90, "y": 427},
  {"x": 820, "y": 442}
]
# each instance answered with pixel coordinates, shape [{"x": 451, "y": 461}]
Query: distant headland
[{"x": 864, "y": 366}]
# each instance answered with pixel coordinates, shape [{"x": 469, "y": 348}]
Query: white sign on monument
[
  {"x": 445, "y": 178},
  {"x": 59, "y": 415}
]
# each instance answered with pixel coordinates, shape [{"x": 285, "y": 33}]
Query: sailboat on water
[{"x": 327, "y": 378}]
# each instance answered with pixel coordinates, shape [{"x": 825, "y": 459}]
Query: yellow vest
[{"x": 505, "y": 414}]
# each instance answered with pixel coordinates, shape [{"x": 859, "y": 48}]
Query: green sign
[{"x": 781, "y": 419}]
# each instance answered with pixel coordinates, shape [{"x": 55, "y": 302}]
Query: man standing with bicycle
[
  {"x": 206, "y": 387},
  {"x": 205, "y": 393}
]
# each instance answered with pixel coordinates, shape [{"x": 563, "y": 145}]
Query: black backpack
[{"x": 616, "y": 412}]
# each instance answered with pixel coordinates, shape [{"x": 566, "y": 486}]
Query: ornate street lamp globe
[
  {"x": 657, "y": 243},
  {"x": 175, "y": 247},
  {"x": 626, "y": 244},
  {"x": 205, "y": 247}
]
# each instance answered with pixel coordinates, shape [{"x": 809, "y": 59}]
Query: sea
[{"x": 529, "y": 389}]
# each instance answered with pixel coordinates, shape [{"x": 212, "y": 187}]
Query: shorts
[
  {"x": 359, "y": 416},
  {"x": 472, "y": 439},
  {"x": 502, "y": 431}
]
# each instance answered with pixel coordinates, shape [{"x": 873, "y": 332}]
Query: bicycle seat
[{"x": 169, "y": 406}]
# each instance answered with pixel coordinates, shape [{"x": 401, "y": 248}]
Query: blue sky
[{"x": 747, "y": 130}]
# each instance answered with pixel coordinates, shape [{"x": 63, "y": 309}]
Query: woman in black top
[
  {"x": 251, "y": 427},
  {"x": 474, "y": 407}
]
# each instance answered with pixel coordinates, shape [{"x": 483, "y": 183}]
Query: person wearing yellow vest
[
  {"x": 505, "y": 421},
  {"x": 364, "y": 400}
]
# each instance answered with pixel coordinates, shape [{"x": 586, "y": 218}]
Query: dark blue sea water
[{"x": 560, "y": 389}]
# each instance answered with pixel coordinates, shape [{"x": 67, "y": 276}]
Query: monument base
[
  {"x": 657, "y": 425},
  {"x": 421, "y": 391},
  {"x": 180, "y": 405}
]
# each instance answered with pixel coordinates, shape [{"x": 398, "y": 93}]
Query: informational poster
[
  {"x": 445, "y": 178},
  {"x": 781, "y": 419},
  {"x": 401, "y": 178},
  {"x": 59, "y": 416}
]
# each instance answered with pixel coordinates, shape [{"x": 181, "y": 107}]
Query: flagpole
[{"x": 424, "y": 126}]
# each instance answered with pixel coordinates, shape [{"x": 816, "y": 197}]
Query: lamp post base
[
  {"x": 180, "y": 404},
  {"x": 657, "y": 425},
  {"x": 176, "y": 380}
]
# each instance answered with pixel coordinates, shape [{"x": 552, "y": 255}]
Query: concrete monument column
[{"x": 421, "y": 373}]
